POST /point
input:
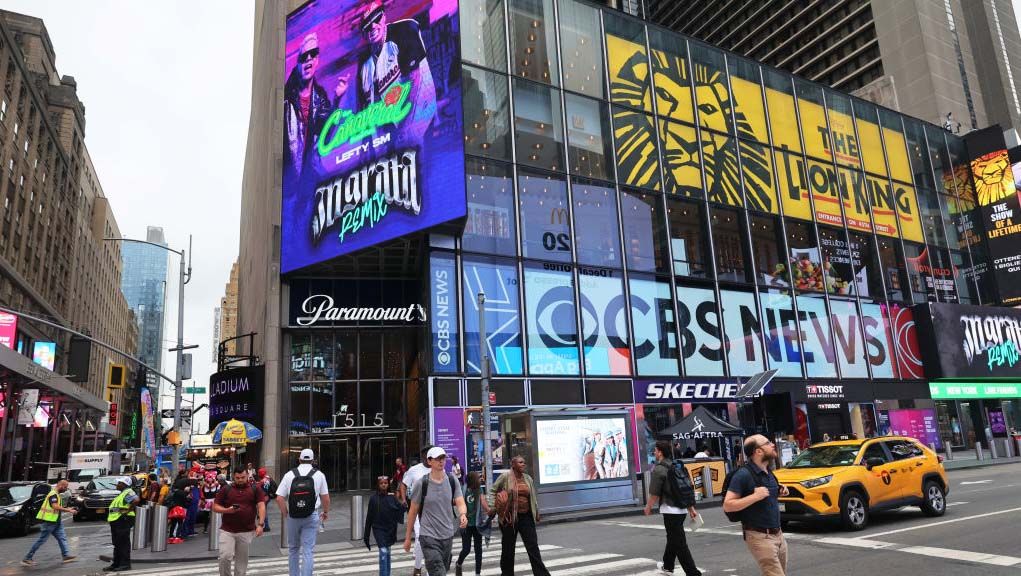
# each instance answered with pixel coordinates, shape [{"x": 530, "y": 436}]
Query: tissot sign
[
  {"x": 970, "y": 341},
  {"x": 373, "y": 138}
]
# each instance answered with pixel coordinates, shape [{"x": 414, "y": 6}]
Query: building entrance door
[
  {"x": 337, "y": 460},
  {"x": 378, "y": 455}
]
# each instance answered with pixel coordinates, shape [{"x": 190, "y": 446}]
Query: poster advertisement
[
  {"x": 919, "y": 424},
  {"x": 970, "y": 341},
  {"x": 44, "y": 354},
  {"x": 997, "y": 424},
  {"x": 368, "y": 85},
  {"x": 8, "y": 329},
  {"x": 29, "y": 401},
  {"x": 580, "y": 449},
  {"x": 237, "y": 393},
  {"x": 148, "y": 433},
  {"x": 450, "y": 434}
]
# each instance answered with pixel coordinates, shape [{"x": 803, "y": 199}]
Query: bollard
[
  {"x": 215, "y": 520},
  {"x": 159, "y": 529},
  {"x": 932, "y": 446},
  {"x": 978, "y": 451},
  {"x": 707, "y": 481},
  {"x": 1017, "y": 440},
  {"x": 992, "y": 448},
  {"x": 949, "y": 451},
  {"x": 357, "y": 517},
  {"x": 1008, "y": 451},
  {"x": 138, "y": 532}
]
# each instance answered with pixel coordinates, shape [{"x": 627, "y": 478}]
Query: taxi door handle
[{"x": 917, "y": 464}]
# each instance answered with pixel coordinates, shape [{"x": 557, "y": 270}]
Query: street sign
[
  {"x": 185, "y": 413},
  {"x": 194, "y": 390}
]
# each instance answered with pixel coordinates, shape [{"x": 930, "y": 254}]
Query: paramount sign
[{"x": 321, "y": 308}]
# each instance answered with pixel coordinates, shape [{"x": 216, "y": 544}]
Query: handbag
[{"x": 177, "y": 513}]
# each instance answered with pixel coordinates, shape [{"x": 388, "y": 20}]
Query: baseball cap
[
  {"x": 124, "y": 480},
  {"x": 372, "y": 13},
  {"x": 307, "y": 455},
  {"x": 435, "y": 452}
]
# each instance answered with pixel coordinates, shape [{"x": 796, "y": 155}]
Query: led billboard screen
[
  {"x": 580, "y": 449},
  {"x": 44, "y": 354},
  {"x": 8, "y": 329},
  {"x": 368, "y": 84}
]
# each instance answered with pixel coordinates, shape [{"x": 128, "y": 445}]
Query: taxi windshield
[{"x": 826, "y": 456}]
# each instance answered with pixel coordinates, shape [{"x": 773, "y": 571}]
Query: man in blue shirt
[{"x": 754, "y": 492}]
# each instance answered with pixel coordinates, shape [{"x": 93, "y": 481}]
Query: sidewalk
[{"x": 967, "y": 459}]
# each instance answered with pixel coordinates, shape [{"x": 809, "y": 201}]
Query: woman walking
[
  {"x": 519, "y": 512},
  {"x": 478, "y": 511},
  {"x": 381, "y": 520}
]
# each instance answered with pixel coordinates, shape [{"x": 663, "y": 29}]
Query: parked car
[
  {"x": 849, "y": 479},
  {"x": 94, "y": 500},
  {"x": 19, "y": 503}
]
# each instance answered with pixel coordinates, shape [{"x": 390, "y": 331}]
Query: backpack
[
  {"x": 737, "y": 516},
  {"x": 678, "y": 482},
  {"x": 301, "y": 500},
  {"x": 425, "y": 489}
]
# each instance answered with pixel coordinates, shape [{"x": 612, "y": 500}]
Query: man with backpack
[
  {"x": 243, "y": 505},
  {"x": 752, "y": 497},
  {"x": 433, "y": 498},
  {"x": 671, "y": 487},
  {"x": 404, "y": 496},
  {"x": 304, "y": 501}
]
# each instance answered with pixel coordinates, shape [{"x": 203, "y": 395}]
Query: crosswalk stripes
[{"x": 361, "y": 562}]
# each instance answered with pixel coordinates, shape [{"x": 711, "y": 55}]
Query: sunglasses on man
[{"x": 306, "y": 56}]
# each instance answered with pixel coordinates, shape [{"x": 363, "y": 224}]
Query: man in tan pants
[
  {"x": 243, "y": 505},
  {"x": 755, "y": 493}
]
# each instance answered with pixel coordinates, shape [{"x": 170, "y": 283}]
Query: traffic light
[
  {"x": 173, "y": 438},
  {"x": 117, "y": 376}
]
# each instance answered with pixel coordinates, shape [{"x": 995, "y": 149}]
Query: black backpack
[
  {"x": 737, "y": 516},
  {"x": 425, "y": 490},
  {"x": 678, "y": 481},
  {"x": 301, "y": 499}
]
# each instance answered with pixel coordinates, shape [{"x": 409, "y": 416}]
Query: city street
[{"x": 980, "y": 526}]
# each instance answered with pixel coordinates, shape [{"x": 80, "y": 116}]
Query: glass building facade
[{"x": 645, "y": 209}]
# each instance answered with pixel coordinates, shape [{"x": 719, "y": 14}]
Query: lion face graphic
[{"x": 993, "y": 178}]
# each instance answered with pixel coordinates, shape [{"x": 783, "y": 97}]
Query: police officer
[{"x": 121, "y": 518}]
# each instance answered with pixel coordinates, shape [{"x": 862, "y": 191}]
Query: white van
[{"x": 84, "y": 466}]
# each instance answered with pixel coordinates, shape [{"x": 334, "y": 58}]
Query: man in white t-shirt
[
  {"x": 410, "y": 477},
  {"x": 302, "y": 532}
]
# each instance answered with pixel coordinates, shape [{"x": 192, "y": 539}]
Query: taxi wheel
[
  {"x": 935, "y": 502},
  {"x": 854, "y": 510}
]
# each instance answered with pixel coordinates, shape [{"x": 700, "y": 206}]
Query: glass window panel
[
  {"x": 817, "y": 340},
  {"x": 749, "y": 109},
  {"x": 743, "y": 332},
  {"x": 942, "y": 271},
  {"x": 557, "y": 392},
  {"x": 879, "y": 340},
  {"x": 545, "y": 217},
  {"x": 843, "y": 142},
  {"x": 486, "y": 114},
  {"x": 627, "y": 62},
  {"x": 322, "y": 406},
  {"x": 962, "y": 277},
  {"x": 780, "y": 330},
  {"x": 682, "y": 169},
  {"x": 533, "y": 40},
  {"x": 443, "y": 324},
  {"x": 805, "y": 259},
  {"x": 604, "y": 323},
  {"x": 370, "y": 355},
  {"x": 689, "y": 239},
  {"x": 671, "y": 76},
  {"x": 961, "y": 169},
  {"x": 757, "y": 169},
  {"x": 870, "y": 143},
  {"x": 783, "y": 116},
  {"x": 484, "y": 33},
  {"x": 960, "y": 226},
  {"x": 908, "y": 215},
  {"x": 699, "y": 323},
  {"x": 322, "y": 357},
  {"x": 499, "y": 281},
  {"x": 812, "y": 115},
  {"x": 645, "y": 233},
  {"x": 395, "y": 359},
  {"x": 393, "y": 405},
  {"x": 894, "y": 271},
  {"x": 370, "y": 399},
  {"x": 838, "y": 272},
  {"x": 301, "y": 358},
  {"x": 932, "y": 219},
  {"x": 596, "y": 235},
  {"x": 538, "y": 125},
  {"x": 896, "y": 145},
  {"x": 768, "y": 251},
  {"x": 918, "y": 153},
  {"x": 851, "y": 354},
  {"x": 300, "y": 408},
  {"x": 983, "y": 274},
  {"x": 712, "y": 95},
  {"x": 792, "y": 179},
  {"x": 939, "y": 158},
  {"x": 729, "y": 242},
  {"x": 655, "y": 329},
  {"x": 551, "y": 320},
  {"x": 582, "y": 51},
  {"x": 345, "y": 400},
  {"x": 345, "y": 352},
  {"x": 634, "y": 136},
  {"x": 490, "y": 226},
  {"x": 867, "y": 279},
  {"x": 921, "y": 285},
  {"x": 589, "y": 147},
  {"x": 722, "y": 179}
]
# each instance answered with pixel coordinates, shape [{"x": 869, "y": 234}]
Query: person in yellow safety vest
[
  {"x": 49, "y": 515},
  {"x": 122, "y": 518}
]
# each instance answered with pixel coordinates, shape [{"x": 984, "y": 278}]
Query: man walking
[
  {"x": 672, "y": 510},
  {"x": 755, "y": 493},
  {"x": 122, "y": 518},
  {"x": 432, "y": 497},
  {"x": 49, "y": 514},
  {"x": 404, "y": 496},
  {"x": 243, "y": 505},
  {"x": 304, "y": 501}
]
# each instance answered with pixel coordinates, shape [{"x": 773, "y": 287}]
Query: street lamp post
[{"x": 487, "y": 447}]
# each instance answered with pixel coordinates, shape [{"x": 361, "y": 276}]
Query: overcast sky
[{"x": 166, "y": 87}]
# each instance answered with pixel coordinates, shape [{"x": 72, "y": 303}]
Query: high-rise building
[
  {"x": 926, "y": 58},
  {"x": 55, "y": 260},
  {"x": 144, "y": 284},
  {"x": 228, "y": 319}
]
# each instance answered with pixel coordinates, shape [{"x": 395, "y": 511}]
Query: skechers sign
[
  {"x": 677, "y": 391},
  {"x": 971, "y": 341},
  {"x": 373, "y": 134}
]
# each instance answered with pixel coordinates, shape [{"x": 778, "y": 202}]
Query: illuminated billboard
[
  {"x": 44, "y": 354},
  {"x": 581, "y": 449},
  {"x": 368, "y": 84},
  {"x": 8, "y": 329}
]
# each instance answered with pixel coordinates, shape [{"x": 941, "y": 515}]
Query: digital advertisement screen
[
  {"x": 44, "y": 354},
  {"x": 237, "y": 393},
  {"x": 919, "y": 424},
  {"x": 368, "y": 83},
  {"x": 8, "y": 329},
  {"x": 582, "y": 449}
]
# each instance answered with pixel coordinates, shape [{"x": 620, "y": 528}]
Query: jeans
[
  {"x": 45, "y": 529},
  {"x": 525, "y": 526},
  {"x": 677, "y": 546},
  {"x": 120, "y": 532},
  {"x": 437, "y": 555},
  {"x": 384, "y": 561},
  {"x": 471, "y": 534},
  {"x": 234, "y": 548},
  {"x": 301, "y": 539}
]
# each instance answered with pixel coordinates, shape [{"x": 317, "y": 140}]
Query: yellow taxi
[{"x": 848, "y": 479}]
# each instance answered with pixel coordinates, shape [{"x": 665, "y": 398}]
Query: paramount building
[{"x": 652, "y": 222}]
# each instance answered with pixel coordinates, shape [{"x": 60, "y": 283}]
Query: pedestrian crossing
[{"x": 358, "y": 561}]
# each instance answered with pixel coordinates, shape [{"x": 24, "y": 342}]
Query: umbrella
[{"x": 235, "y": 432}]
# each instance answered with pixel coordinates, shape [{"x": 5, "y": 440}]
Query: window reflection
[
  {"x": 545, "y": 217},
  {"x": 538, "y": 126},
  {"x": 483, "y": 34},
  {"x": 486, "y": 114},
  {"x": 645, "y": 234},
  {"x": 729, "y": 245},
  {"x": 588, "y": 138},
  {"x": 688, "y": 238},
  {"x": 582, "y": 50},
  {"x": 490, "y": 225},
  {"x": 533, "y": 40},
  {"x": 595, "y": 224}
]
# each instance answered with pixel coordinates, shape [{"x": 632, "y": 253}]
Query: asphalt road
[{"x": 977, "y": 536}]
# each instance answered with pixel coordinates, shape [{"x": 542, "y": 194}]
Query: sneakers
[
  {"x": 417, "y": 572},
  {"x": 661, "y": 571},
  {"x": 457, "y": 570},
  {"x": 69, "y": 559},
  {"x": 28, "y": 562}
]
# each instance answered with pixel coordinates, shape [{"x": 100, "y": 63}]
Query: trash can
[
  {"x": 139, "y": 535},
  {"x": 215, "y": 519},
  {"x": 159, "y": 529},
  {"x": 357, "y": 518}
]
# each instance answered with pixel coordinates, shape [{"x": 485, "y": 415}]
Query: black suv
[
  {"x": 19, "y": 504},
  {"x": 94, "y": 500}
]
